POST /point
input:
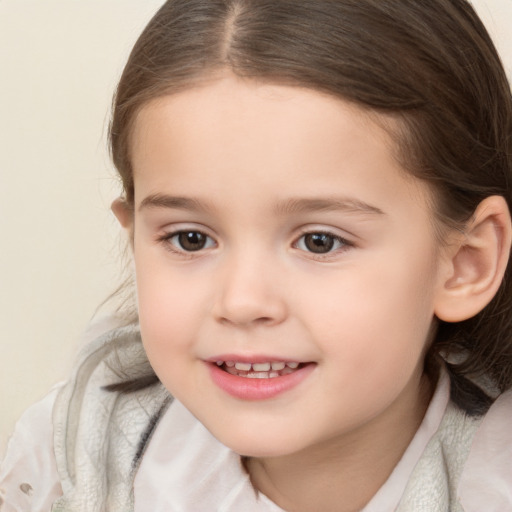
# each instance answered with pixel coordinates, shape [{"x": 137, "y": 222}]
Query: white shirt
[{"x": 185, "y": 469}]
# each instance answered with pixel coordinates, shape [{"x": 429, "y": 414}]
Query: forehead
[
  {"x": 287, "y": 139},
  {"x": 231, "y": 104}
]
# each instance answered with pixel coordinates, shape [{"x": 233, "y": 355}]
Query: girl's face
[{"x": 274, "y": 229}]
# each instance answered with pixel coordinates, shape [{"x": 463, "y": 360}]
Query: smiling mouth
[
  {"x": 269, "y": 370},
  {"x": 261, "y": 380}
]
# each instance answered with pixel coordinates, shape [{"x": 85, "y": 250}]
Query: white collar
[{"x": 185, "y": 468}]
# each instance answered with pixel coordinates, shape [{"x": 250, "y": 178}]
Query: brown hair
[{"x": 432, "y": 65}]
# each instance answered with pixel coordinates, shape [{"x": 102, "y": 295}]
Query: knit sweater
[{"x": 100, "y": 436}]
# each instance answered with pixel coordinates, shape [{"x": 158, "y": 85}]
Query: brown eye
[
  {"x": 191, "y": 241},
  {"x": 320, "y": 243}
]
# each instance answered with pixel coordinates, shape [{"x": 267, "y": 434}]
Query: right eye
[
  {"x": 321, "y": 243},
  {"x": 189, "y": 241}
]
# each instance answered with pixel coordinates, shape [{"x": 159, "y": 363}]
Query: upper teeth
[{"x": 258, "y": 367}]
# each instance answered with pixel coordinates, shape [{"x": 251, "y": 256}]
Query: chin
[{"x": 258, "y": 446}]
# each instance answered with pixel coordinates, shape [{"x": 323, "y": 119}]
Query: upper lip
[{"x": 255, "y": 358}]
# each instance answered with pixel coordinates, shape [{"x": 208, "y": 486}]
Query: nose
[{"x": 250, "y": 293}]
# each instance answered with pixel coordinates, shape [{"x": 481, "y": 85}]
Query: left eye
[
  {"x": 190, "y": 241},
  {"x": 320, "y": 243}
]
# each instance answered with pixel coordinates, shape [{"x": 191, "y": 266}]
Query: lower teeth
[{"x": 262, "y": 375}]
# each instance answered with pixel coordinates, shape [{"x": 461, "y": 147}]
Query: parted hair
[{"x": 431, "y": 65}]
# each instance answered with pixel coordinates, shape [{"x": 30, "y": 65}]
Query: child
[{"x": 318, "y": 196}]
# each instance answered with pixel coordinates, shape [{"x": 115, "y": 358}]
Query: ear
[
  {"x": 123, "y": 213},
  {"x": 476, "y": 262}
]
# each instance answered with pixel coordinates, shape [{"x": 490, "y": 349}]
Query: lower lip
[{"x": 258, "y": 389}]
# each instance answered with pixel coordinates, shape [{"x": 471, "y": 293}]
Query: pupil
[
  {"x": 192, "y": 240},
  {"x": 319, "y": 242}
]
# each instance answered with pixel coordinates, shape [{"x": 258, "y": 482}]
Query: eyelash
[{"x": 339, "y": 243}]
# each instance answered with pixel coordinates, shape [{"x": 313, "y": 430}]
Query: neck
[{"x": 343, "y": 474}]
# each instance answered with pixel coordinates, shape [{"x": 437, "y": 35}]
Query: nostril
[
  {"x": 264, "y": 320},
  {"x": 246, "y": 318}
]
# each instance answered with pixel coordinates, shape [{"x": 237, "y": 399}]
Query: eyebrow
[
  {"x": 290, "y": 206},
  {"x": 345, "y": 204},
  {"x": 174, "y": 202}
]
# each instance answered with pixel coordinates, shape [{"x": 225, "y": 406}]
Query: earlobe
[
  {"x": 477, "y": 262},
  {"x": 123, "y": 212}
]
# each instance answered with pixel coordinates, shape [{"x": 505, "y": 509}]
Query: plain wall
[{"x": 59, "y": 243}]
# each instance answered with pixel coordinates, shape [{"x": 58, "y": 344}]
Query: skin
[{"x": 258, "y": 161}]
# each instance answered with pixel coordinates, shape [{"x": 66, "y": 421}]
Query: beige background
[{"x": 59, "y": 245}]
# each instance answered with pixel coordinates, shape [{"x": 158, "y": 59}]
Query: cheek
[
  {"x": 168, "y": 309},
  {"x": 167, "y": 319},
  {"x": 377, "y": 315}
]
